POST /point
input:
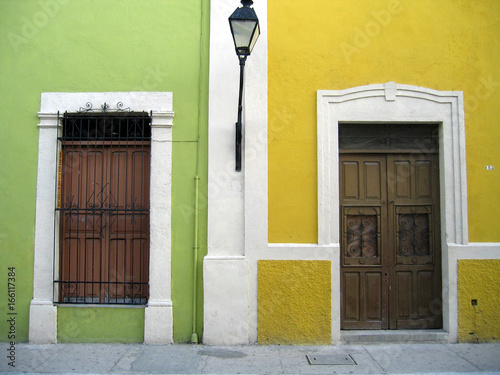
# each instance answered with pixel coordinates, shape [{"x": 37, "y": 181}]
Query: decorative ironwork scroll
[
  {"x": 413, "y": 235},
  {"x": 89, "y": 107},
  {"x": 361, "y": 236}
]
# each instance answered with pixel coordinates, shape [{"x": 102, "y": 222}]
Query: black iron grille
[
  {"x": 103, "y": 208},
  {"x": 389, "y": 137},
  {"x": 107, "y": 126}
]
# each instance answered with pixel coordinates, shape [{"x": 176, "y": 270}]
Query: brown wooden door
[
  {"x": 390, "y": 246},
  {"x": 104, "y": 223}
]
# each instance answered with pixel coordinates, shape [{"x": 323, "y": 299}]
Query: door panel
[
  {"x": 352, "y": 292},
  {"x": 414, "y": 226},
  {"x": 401, "y": 183},
  {"x": 423, "y": 179},
  {"x": 403, "y": 287},
  {"x": 364, "y": 299},
  {"x": 372, "y": 179},
  {"x": 373, "y": 281},
  {"x": 351, "y": 180},
  {"x": 390, "y": 245}
]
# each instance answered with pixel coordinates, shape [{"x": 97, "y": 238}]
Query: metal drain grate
[{"x": 330, "y": 359}]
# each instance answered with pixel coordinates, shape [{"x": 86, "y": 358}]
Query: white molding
[
  {"x": 163, "y": 119},
  {"x": 397, "y": 103},
  {"x": 43, "y": 315},
  {"x": 48, "y": 120},
  {"x": 485, "y": 245},
  {"x": 54, "y": 102},
  {"x": 224, "y": 257},
  {"x": 158, "y": 315}
]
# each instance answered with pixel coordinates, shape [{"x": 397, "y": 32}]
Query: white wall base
[
  {"x": 336, "y": 298},
  {"x": 43, "y": 322},
  {"x": 158, "y": 323},
  {"x": 225, "y": 283}
]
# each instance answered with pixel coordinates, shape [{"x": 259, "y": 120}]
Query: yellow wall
[
  {"x": 478, "y": 280},
  {"x": 294, "y": 302},
  {"x": 338, "y": 44}
]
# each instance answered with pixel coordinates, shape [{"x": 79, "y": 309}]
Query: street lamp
[{"x": 245, "y": 30}]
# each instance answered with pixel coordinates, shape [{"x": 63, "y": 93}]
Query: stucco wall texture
[
  {"x": 478, "y": 300},
  {"x": 98, "y": 324},
  {"x": 294, "y": 299},
  {"x": 448, "y": 45},
  {"x": 100, "y": 46}
]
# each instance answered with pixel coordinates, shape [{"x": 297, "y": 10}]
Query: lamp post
[{"x": 245, "y": 31}]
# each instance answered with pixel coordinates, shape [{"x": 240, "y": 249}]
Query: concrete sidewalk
[{"x": 200, "y": 359}]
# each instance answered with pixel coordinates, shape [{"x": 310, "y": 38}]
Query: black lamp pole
[
  {"x": 239, "y": 125},
  {"x": 245, "y": 30}
]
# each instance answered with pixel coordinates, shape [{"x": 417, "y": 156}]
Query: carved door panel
[
  {"x": 364, "y": 211},
  {"x": 415, "y": 269},
  {"x": 390, "y": 256}
]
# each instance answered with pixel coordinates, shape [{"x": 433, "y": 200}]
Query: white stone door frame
[
  {"x": 395, "y": 103},
  {"x": 158, "y": 324}
]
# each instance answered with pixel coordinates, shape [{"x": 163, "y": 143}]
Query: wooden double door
[{"x": 390, "y": 241}]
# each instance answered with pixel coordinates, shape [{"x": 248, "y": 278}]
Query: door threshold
[{"x": 394, "y": 336}]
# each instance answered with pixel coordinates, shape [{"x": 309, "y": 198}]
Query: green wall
[
  {"x": 101, "y": 45},
  {"x": 98, "y": 324}
]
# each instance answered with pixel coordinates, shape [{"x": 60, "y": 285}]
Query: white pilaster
[
  {"x": 158, "y": 324},
  {"x": 229, "y": 192},
  {"x": 43, "y": 315}
]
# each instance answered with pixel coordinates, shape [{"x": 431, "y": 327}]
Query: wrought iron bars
[{"x": 103, "y": 208}]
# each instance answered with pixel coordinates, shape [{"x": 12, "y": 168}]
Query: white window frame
[{"x": 158, "y": 321}]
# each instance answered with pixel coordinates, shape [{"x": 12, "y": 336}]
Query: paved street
[{"x": 200, "y": 359}]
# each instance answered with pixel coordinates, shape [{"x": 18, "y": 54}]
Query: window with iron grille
[{"x": 103, "y": 208}]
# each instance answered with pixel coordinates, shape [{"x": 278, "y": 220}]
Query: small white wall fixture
[
  {"x": 158, "y": 324},
  {"x": 395, "y": 103}
]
